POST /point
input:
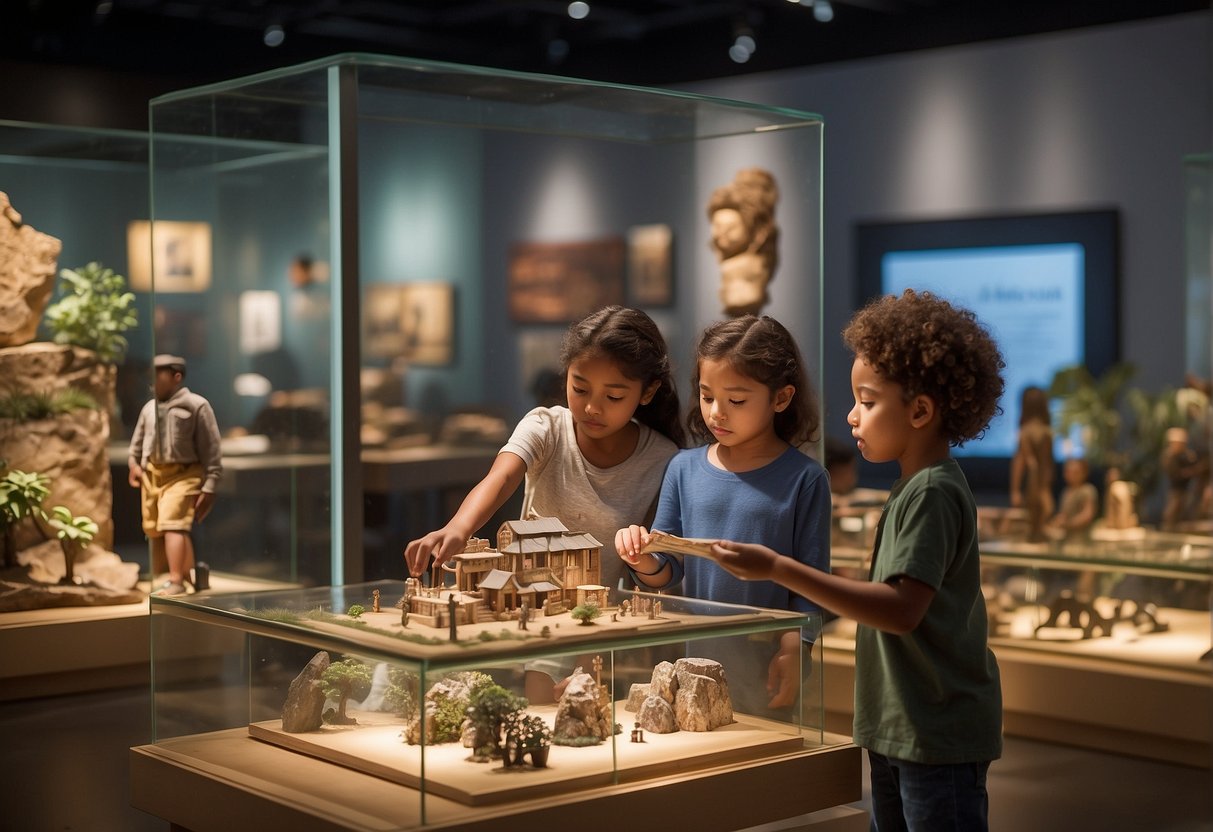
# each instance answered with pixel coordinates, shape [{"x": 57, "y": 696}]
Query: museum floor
[{"x": 64, "y": 767}]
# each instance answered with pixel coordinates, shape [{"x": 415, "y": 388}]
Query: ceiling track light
[{"x": 274, "y": 35}]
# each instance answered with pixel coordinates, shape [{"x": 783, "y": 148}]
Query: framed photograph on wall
[
  {"x": 413, "y": 321},
  {"x": 179, "y": 253},
  {"x": 564, "y": 282},
  {"x": 651, "y": 265}
]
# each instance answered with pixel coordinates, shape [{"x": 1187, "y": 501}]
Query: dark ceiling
[{"x": 652, "y": 43}]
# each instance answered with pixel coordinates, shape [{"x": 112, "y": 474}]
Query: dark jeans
[{"x": 916, "y": 797}]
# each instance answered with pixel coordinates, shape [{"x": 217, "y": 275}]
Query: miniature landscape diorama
[
  {"x": 632, "y": 698},
  {"x": 468, "y": 734},
  {"x": 56, "y": 398}
]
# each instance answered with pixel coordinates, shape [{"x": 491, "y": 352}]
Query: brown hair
[
  {"x": 762, "y": 349},
  {"x": 932, "y": 348},
  {"x": 629, "y": 338}
]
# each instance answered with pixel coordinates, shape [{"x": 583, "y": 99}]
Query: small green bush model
[{"x": 93, "y": 311}]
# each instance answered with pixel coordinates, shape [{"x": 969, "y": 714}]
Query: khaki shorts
[{"x": 169, "y": 493}]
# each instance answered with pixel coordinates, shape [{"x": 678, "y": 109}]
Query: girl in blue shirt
[{"x": 749, "y": 482}]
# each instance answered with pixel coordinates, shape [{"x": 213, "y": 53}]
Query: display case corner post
[{"x": 347, "y": 556}]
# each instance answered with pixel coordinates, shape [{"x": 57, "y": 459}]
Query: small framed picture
[
  {"x": 651, "y": 265},
  {"x": 413, "y": 321},
  {"x": 564, "y": 282},
  {"x": 169, "y": 256}
]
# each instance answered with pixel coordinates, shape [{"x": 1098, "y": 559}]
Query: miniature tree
[
  {"x": 489, "y": 708},
  {"x": 528, "y": 734},
  {"x": 356, "y": 611},
  {"x": 93, "y": 311},
  {"x": 342, "y": 680},
  {"x": 21, "y": 496},
  {"x": 74, "y": 534},
  {"x": 401, "y": 694},
  {"x": 585, "y": 613}
]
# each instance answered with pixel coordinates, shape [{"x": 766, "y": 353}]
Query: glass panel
[
  {"x": 664, "y": 682},
  {"x": 487, "y": 212}
]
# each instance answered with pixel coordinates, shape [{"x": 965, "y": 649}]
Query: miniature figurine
[
  {"x": 1183, "y": 467},
  {"x": 453, "y": 608},
  {"x": 1079, "y": 502},
  {"x": 524, "y": 614},
  {"x": 375, "y": 601},
  {"x": 1119, "y": 513},
  {"x": 637, "y": 732},
  {"x": 1032, "y": 467},
  {"x": 745, "y": 239},
  {"x": 175, "y": 459}
]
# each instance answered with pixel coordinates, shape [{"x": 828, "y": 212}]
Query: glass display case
[
  {"x": 369, "y": 263},
  {"x": 657, "y": 686},
  {"x": 1142, "y": 599}
]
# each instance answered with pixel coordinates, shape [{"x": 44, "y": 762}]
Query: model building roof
[
  {"x": 565, "y": 542},
  {"x": 540, "y": 525}
]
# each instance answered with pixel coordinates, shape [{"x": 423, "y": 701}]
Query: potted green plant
[
  {"x": 529, "y": 734},
  {"x": 1118, "y": 426}
]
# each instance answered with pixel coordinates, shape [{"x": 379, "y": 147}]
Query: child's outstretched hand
[
  {"x": 748, "y": 561},
  {"x": 442, "y": 544}
]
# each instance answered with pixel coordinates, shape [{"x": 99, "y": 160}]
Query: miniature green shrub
[
  {"x": 93, "y": 311},
  {"x": 29, "y": 407}
]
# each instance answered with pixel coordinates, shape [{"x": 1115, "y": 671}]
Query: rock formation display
[
  {"x": 584, "y": 710},
  {"x": 689, "y": 695},
  {"x": 303, "y": 709},
  {"x": 27, "y": 275}
]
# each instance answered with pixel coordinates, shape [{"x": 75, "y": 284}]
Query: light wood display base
[
  {"x": 374, "y": 746},
  {"x": 228, "y": 780},
  {"x": 76, "y": 649},
  {"x": 1142, "y": 695}
]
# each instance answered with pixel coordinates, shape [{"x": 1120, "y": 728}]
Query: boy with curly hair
[{"x": 928, "y": 700}]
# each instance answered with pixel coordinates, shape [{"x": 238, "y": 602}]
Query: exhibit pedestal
[
  {"x": 1099, "y": 703},
  {"x": 226, "y": 780},
  {"x": 77, "y": 649}
]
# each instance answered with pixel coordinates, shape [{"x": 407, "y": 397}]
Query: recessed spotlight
[
  {"x": 579, "y": 10},
  {"x": 823, "y": 11},
  {"x": 274, "y": 36},
  {"x": 739, "y": 54}
]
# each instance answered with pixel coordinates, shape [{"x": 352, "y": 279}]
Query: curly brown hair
[
  {"x": 763, "y": 349},
  {"x": 932, "y": 348}
]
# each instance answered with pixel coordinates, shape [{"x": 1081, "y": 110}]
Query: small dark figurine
[{"x": 637, "y": 733}]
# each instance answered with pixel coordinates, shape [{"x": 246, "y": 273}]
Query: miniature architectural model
[{"x": 538, "y": 565}]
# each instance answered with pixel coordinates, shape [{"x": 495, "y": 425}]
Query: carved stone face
[
  {"x": 729, "y": 233},
  {"x": 743, "y": 284}
]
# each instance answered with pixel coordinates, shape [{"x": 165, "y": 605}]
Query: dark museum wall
[{"x": 1096, "y": 118}]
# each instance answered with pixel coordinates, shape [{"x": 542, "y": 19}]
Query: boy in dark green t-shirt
[{"x": 928, "y": 701}]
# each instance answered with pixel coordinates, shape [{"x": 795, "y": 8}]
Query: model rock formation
[
  {"x": 689, "y": 695},
  {"x": 27, "y": 275},
  {"x": 67, "y": 448},
  {"x": 583, "y": 711},
  {"x": 303, "y": 709},
  {"x": 450, "y": 695}
]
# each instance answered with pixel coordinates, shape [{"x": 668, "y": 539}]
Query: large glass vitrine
[{"x": 370, "y": 261}]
